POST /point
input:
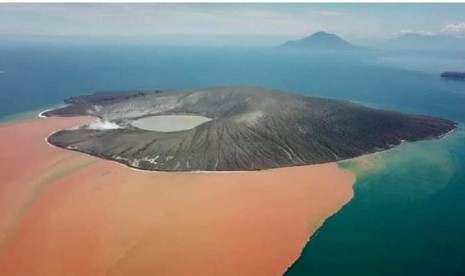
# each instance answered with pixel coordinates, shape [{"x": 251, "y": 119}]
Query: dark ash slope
[{"x": 252, "y": 129}]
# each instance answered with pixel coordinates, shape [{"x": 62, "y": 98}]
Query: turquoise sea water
[
  {"x": 407, "y": 216},
  {"x": 408, "y": 213}
]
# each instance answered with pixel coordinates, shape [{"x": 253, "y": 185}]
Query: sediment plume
[{"x": 68, "y": 213}]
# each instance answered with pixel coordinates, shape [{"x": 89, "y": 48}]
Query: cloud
[
  {"x": 419, "y": 32},
  {"x": 315, "y": 11},
  {"x": 99, "y": 124},
  {"x": 457, "y": 29},
  {"x": 166, "y": 19}
]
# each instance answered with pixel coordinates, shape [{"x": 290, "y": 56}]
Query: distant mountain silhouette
[
  {"x": 320, "y": 41},
  {"x": 425, "y": 42}
]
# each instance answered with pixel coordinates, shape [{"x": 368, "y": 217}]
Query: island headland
[
  {"x": 453, "y": 75},
  {"x": 246, "y": 129}
]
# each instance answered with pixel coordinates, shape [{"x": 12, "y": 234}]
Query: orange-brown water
[{"x": 67, "y": 213}]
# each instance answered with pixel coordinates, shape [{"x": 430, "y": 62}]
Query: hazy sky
[{"x": 210, "y": 23}]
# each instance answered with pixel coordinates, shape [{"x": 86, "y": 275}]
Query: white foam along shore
[
  {"x": 41, "y": 114},
  {"x": 26, "y": 115}
]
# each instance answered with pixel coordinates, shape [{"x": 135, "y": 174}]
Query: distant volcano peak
[
  {"x": 323, "y": 34},
  {"x": 320, "y": 41}
]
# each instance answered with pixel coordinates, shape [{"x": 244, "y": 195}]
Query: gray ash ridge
[{"x": 251, "y": 129}]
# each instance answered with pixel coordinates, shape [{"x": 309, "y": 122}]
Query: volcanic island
[
  {"x": 269, "y": 179},
  {"x": 234, "y": 129}
]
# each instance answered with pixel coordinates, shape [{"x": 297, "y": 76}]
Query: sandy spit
[{"x": 67, "y": 213}]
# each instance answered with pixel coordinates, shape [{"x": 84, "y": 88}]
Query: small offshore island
[
  {"x": 453, "y": 75},
  {"x": 234, "y": 129}
]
